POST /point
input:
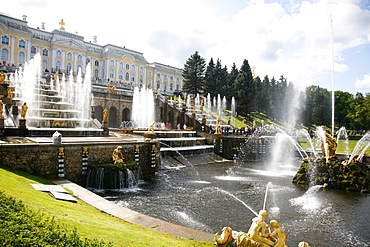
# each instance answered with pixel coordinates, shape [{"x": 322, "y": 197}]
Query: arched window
[
  {"x": 69, "y": 56},
  {"x": 58, "y": 65},
  {"x": 158, "y": 84},
  {"x": 79, "y": 68},
  {"x": 120, "y": 75},
  {"x": 171, "y": 86},
  {"x": 171, "y": 78},
  {"x": 44, "y": 64},
  {"x": 69, "y": 67},
  {"x": 21, "y": 44},
  {"x": 150, "y": 83},
  {"x": 21, "y": 57},
  {"x": 127, "y": 66},
  {"x": 111, "y": 63},
  {"x": 177, "y": 87},
  {"x": 121, "y": 65},
  {"x": 5, "y": 40},
  {"x": 150, "y": 73},
  {"x": 127, "y": 76},
  {"x": 4, "y": 54},
  {"x": 159, "y": 75},
  {"x": 79, "y": 58},
  {"x": 33, "y": 50},
  {"x": 45, "y": 52},
  {"x": 59, "y": 54},
  {"x": 87, "y": 60},
  {"x": 165, "y": 77},
  {"x": 96, "y": 63},
  {"x": 177, "y": 80},
  {"x": 141, "y": 78},
  {"x": 133, "y": 67},
  {"x": 141, "y": 70},
  {"x": 111, "y": 73},
  {"x": 96, "y": 73},
  {"x": 133, "y": 77},
  {"x": 165, "y": 86}
]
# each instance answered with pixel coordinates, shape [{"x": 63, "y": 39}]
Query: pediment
[{"x": 70, "y": 43}]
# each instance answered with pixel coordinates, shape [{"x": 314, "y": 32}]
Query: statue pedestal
[
  {"x": 105, "y": 128},
  {"x": 22, "y": 127}
]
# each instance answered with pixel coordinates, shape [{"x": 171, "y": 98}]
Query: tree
[
  {"x": 193, "y": 74},
  {"x": 342, "y": 108}
]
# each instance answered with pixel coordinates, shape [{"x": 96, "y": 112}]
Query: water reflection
[{"x": 196, "y": 200}]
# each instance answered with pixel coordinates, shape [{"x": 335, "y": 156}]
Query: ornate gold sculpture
[
  {"x": 1, "y": 109},
  {"x": 105, "y": 115},
  {"x": 62, "y": 23},
  {"x": 225, "y": 238},
  {"x": 24, "y": 110},
  {"x": 330, "y": 146},
  {"x": 117, "y": 156},
  {"x": 256, "y": 236},
  {"x": 2, "y": 77},
  {"x": 218, "y": 129},
  {"x": 111, "y": 89},
  {"x": 85, "y": 150},
  {"x": 60, "y": 151}
]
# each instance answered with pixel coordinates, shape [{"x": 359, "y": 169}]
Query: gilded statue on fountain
[
  {"x": 329, "y": 146},
  {"x": 257, "y": 235},
  {"x": 117, "y": 156}
]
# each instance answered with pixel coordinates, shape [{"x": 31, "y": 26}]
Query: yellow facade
[{"x": 68, "y": 52}]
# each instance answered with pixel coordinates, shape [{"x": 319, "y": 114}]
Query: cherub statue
[
  {"x": 257, "y": 231},
  {"x": 117, "y": 156},
  {"x": 2, "y": 77}
]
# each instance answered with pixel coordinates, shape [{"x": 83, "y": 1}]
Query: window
[
  {"x": 177, "y": 87},
  {"x": 69, "y": 56},
  {"x": 171, "y": 78},
  {"x": 159, "y": 75},
  {"x": 79, "y": 58},
  {"x": 45, "y": 52},
  {"x": 21, "y": 57},
  {"x": 141, "y": 70},
  {"x": 87, "y": 60},
  {"x": 165, "y": 86},
  {"x": 150, "y": 83},
  {"x": 133, "y": 77},
  {"x": 121, "y": 65},
  {"x": 127, "y": 66},
  {"x": 141, "y": 78},
  {"x": 21, "y": 44},
  {"x": 111, "y": 63},
  {"x": 58, "y": 65},
  {"x": 127, "y": 76},
  {"x": 69, "y": 67},
  {"x": 96, "y": 63},
  {"x": 111, "y": 73},
  {"x": 96, "y": 73},
  {"x": 177, "y": 80},
  {"x": 120, "y": 75},
  {"x": 5, "y": 40},
  {"x": 59, "y": 54},
  {"x": 165, "y": 77},
  {"x": 33, "y": 50},
  {"x": 133, "y": 67},
  {"x": 158, "y": 84},
  {"x": 4, "y": 54},
  {"x": 79, "y": 68},
  {"x": 171, "y": 86},
  {"x": 44, "y": 64},
  {"x": 150, "y": 73}
]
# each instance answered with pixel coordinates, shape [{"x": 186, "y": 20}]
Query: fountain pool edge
[{"x": 133, "y": 216}]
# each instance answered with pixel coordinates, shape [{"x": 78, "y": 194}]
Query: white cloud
[{"x": 363, "y": 83}]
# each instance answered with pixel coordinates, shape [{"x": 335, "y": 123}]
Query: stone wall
[{"x": 47, "y": 159}]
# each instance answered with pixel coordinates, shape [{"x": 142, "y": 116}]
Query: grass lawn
[
  {"x": 341, "y": 148},
  {"x": 88, "y": 221}
]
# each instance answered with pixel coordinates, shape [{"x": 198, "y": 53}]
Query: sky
[{"x": 313, "y": 42}]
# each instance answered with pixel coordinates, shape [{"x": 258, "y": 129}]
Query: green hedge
[{"x": 21, "y": 226}]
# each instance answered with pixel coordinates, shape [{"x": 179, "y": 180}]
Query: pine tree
[{"x": 193, "y": 74}]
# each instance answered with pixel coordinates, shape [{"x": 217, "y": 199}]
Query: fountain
[
  {"x": 51, "y": 103},
  {"x": 143, "y": 108}
]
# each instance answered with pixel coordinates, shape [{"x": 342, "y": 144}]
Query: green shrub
[{"x": 21, "y": 226}]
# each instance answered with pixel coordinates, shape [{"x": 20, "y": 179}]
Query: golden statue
[
  {"x": 60, "y": 151},
  {"x": 151, "y": 128},
  {"x": 279, "y": 233},
  {"x": 225, "y": 238},
  {"x": 218, "y": 128},
  {"x": 117, "y": 156},
  {"x": 257, "y": 230},
  {"x": 105, "y": 115},
  {"x": 56, "y": 76},
  {"x": 1, "y": 109},
  {"x": 62, "y": 23},
  {"x": 330, "y": 146},
  {"x": 2, "y": 77},
  {"x": 24, "y": 110},
  {"x": 10, "y": 92},
  {"x": 85, "y": 150}
]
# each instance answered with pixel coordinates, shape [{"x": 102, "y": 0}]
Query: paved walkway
[{"x": 132, "y": 216}]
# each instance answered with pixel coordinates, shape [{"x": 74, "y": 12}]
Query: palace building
[
  {"x": 115, "y": 70},
  {"x": 67, "y": 53}
]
